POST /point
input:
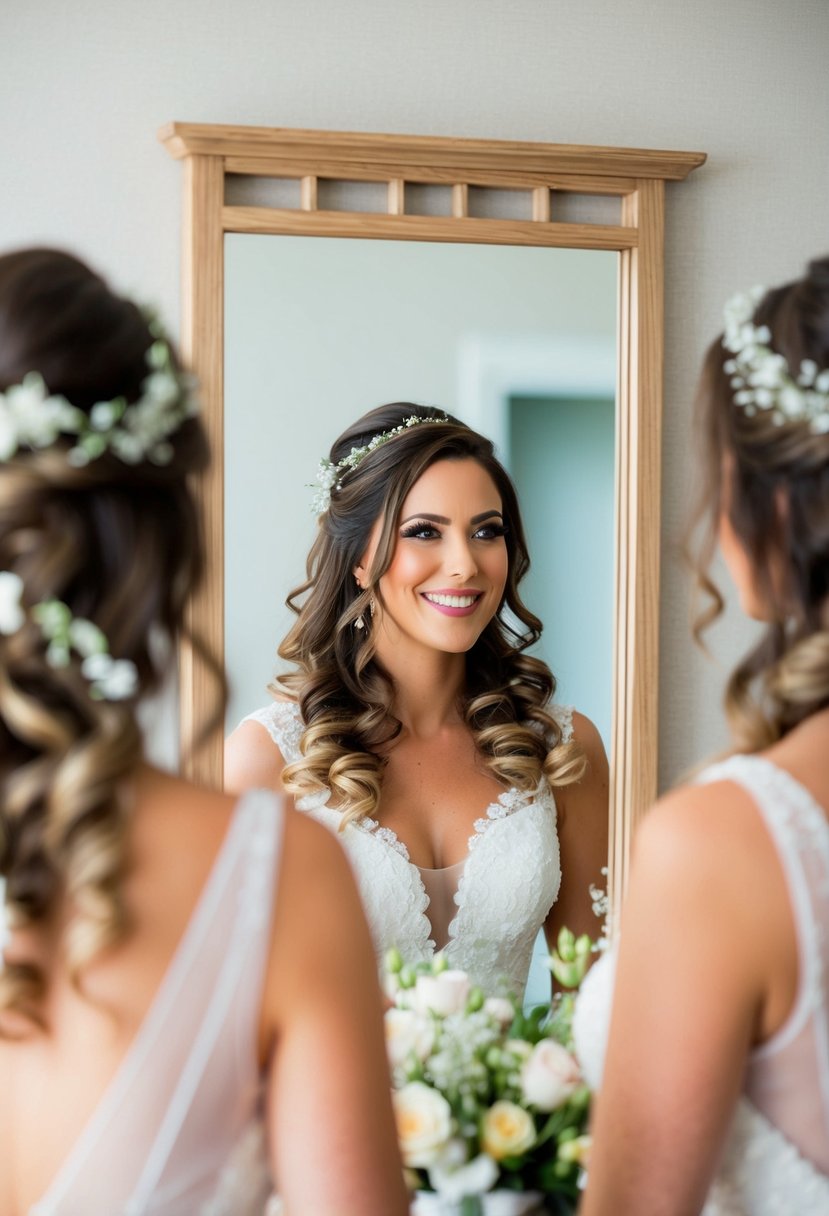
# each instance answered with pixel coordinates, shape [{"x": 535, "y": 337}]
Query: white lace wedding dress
[
  {"x": 504, "y": 889},
  {"x": 775, "y": 1160},
  {"x": 178, "y": 1131}
]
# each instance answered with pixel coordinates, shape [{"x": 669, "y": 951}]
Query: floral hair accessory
[
  {"x": 761, "y": 378},
  {"x": 109, "y": 679},
  {"x": 31, "y": 417},
  {"x": 330, "y": 475}
]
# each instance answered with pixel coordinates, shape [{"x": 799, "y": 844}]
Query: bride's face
[{"x": 447, "y": 576}]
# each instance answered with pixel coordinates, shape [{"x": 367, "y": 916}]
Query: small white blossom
[
  {"x": 87, "y": 638},
  {"x": 118, "y": 681},
  {"x": 12, "y": 615}
]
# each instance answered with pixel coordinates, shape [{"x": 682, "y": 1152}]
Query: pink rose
[{"x": 549, "y": 1076}]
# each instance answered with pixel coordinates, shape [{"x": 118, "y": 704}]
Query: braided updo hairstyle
[
  {"x": 777, "y": 500},
  {"x": 344, "y": 694},
  {"x": 120, "y": 545}
]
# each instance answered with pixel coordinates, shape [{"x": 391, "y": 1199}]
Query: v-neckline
[
  {"x": 503, "y": 807},
  {"x": 157, "y": 1010}
]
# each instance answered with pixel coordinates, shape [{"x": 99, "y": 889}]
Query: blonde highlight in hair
[
  {"x": 778, "y": 508},
  {"x": 344, "y": 695},
  {"x": 121, "y": 546}
]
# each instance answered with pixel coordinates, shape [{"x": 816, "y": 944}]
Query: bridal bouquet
[{"x": 489, "y": 1100}]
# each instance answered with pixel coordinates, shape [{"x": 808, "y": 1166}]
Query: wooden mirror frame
[{"x": 546, "y": 173}]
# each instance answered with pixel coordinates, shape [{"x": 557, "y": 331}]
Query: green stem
[{"x": 471, "y": 1206}]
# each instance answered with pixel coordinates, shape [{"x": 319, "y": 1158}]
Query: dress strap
[
  {"x": 799, "y": 829},
  {"x": 283, "y": 722}
]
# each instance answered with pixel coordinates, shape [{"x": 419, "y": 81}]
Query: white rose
[
  {"x": 472, "y": 1178},
  {"x": 508, "y": 1130},
  {"x": 442, "y": 994},
  {"x": 407, "y": 1033},
  {"x": 499, "y": 1008},
  {"x": 424, "y": 1123},
  {"x": 549, "y": 1076}
]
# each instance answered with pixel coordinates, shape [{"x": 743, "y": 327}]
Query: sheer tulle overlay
[
  {"x": 774, "y": 1160},
  {"x": 505, "y": 889},
  {"x": 179, "y": 1130}
]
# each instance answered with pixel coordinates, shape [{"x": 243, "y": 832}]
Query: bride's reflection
[{"x": 413, "y": 722}]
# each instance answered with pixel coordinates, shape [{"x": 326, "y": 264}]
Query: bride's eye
[
  {"x": 420, "y": 530},
  {"x": 490, "y": 531}
]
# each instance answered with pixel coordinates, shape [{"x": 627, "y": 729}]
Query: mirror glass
[{"x": 519, "y": 342}]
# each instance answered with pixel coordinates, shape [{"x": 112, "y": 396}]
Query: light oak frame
[{"x": 544, "y": 171}]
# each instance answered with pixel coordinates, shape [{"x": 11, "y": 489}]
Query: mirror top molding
[{"x": 372, "y": 156}]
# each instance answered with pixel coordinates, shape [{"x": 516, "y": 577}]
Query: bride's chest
[
  {"x": 431, "y": 800},
  {"x": 509, "y": 880}
]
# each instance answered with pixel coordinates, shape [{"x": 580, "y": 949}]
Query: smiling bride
[{"x": 413, "y": 722}]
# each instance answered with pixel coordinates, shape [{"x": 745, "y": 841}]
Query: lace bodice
[
  {"x": 509, "y": 882},
  {"x": 772, "y": 1160},
  {"x": 178, "y": 1132}
]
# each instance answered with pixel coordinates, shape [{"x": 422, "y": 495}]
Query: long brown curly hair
[
  {"x": 120, "y": 545},
  {"x": 777, "y": 503},
  {"x": 344, "y": 694}
]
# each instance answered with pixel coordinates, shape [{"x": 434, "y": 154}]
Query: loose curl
[
  {"x": 345, "y": 695},
  {"x": 777, "y": 503},
  {"x": 121, "y": 546}
]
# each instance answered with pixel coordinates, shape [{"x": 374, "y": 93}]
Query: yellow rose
[
  {"x": 508, "y": 1130},
  {"x": 424, "y": 1123}
]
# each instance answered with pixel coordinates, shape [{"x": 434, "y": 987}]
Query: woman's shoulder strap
[{"x": 283, "y": 722}]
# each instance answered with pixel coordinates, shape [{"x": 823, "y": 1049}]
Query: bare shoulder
[
  {"x": 586, "y": 734},
  {"x": 706, "y": 847},
  {"x": 714, "y": 826},
  {"x": 252, "y": 759}
]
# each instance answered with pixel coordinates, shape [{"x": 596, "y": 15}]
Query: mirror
[
  {"x": 525, "y": 197},
  {"x": 519, "y": 342}
]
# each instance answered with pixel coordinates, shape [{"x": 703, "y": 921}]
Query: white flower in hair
[
  {"x": 12, "y": 615},
  {"x": 761, "y": 378},
  {"x": 32, "y": 418},
  {"x": 87, "y": 638},
  {"x": 110, "y": 679},
  {"x": 330, "y": 475}
]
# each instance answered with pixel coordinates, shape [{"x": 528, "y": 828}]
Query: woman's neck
[{"x": 427, "y": 686}]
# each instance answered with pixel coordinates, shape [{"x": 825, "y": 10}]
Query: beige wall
[{"x": 85, "y": 85}]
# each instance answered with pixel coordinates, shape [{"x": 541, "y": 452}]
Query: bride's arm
[
  {"x": 703, "y": 926},
  {"x": 582, "y": 833},
  {"x": 331, "y": 1130}
]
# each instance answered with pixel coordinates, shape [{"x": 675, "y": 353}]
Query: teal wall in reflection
[{"x": 561, "y": 456}]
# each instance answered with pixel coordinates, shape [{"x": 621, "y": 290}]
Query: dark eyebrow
[{"x": 441, "y": 519}]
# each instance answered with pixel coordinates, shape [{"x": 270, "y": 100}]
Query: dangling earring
[
  {"x": 359, "y": 622},
  {"x": 372, "y": 604}
]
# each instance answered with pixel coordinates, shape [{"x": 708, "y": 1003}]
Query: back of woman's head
[
  {"x": 99, "y": 550},
  {"x": 763, "y": 412}
]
